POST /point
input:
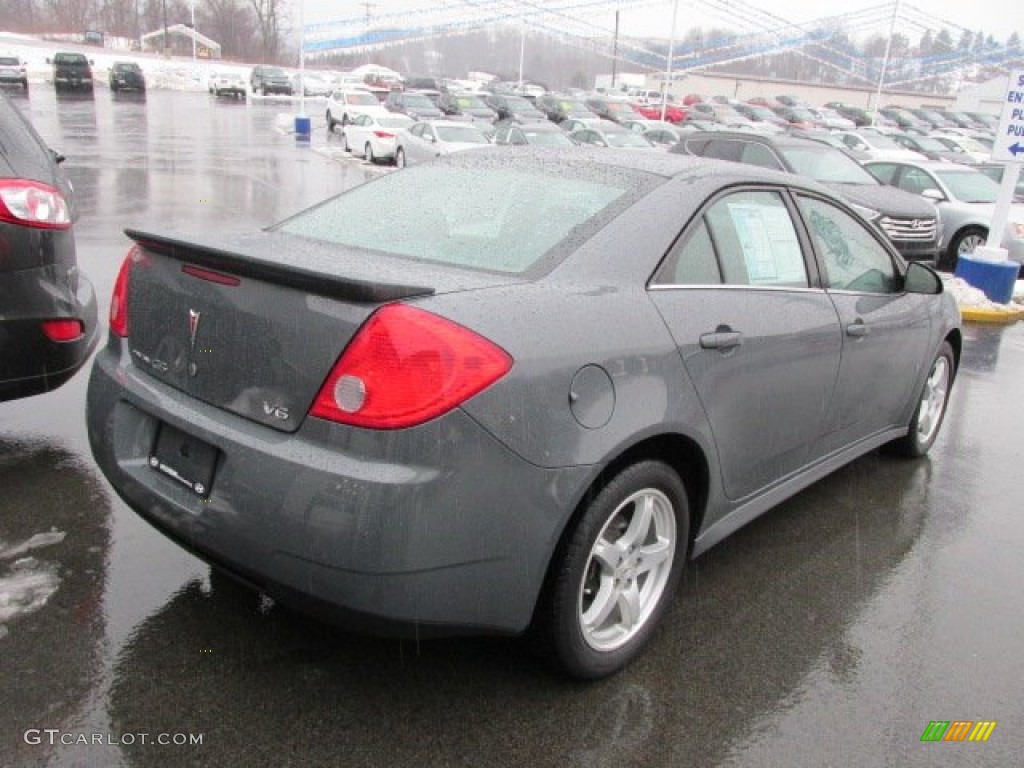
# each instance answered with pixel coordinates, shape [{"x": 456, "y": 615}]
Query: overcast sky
[{"x": 996, "y": 17}]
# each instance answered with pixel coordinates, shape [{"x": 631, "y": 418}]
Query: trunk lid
[{"x": 254, "y": 324}]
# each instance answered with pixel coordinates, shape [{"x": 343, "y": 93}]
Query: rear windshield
[
  {"x": 493, "y": 219},
  {"x": 76, "y": 59},
  {"x": 826, "y": 165},
  {"x": 7, "y": 61},
  {"x": 417, "y": 100},
  {"x": 460, "y": 133},
  {"x": 362, "y": 99}
]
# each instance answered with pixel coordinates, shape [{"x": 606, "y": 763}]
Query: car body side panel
[
  {"x": 766, "y": 398},
  {"x": 897, "y": 346}
]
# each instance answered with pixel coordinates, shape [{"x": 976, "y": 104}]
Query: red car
[{"x": 652, "y": 111}]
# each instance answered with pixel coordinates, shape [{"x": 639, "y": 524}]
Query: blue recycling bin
[
  {"x": 994, "y": 278},
  {"x": 303, "y": 127}
]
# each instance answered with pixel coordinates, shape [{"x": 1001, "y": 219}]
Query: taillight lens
[
  {"x": 63, "y": 330},
  {"x": 32, "y": 204},
  {"x": 383, "y": 135},
  {"x": 406, "y": 366},
  {"x": 119, "y": 301}
]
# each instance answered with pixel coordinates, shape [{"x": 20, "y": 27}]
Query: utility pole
[
  {"x": 615, "y": 50},
  {"x": 164, "y": 2},
  {"x": 368, "y": 6}
]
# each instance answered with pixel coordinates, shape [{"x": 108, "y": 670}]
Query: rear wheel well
[
  {"x": 956, "y": 341},
  {"x": 677, "y": 451}
]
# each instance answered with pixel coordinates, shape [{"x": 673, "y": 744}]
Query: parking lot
[{"x": 831, "y": 631}]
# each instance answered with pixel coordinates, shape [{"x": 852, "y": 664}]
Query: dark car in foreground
[
  {"x": 910, "y": 222},
  {"x": 489, "y": 419},
  {"x": 126, "y": 76},
  {"x": 47, "y": 307},
  {"x": 71, "y": 72}
]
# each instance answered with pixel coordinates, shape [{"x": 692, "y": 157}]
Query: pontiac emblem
[{"x": 193, "y": 331}]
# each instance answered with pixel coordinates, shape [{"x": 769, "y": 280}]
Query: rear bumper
[
  {"x": 438, "y": 528},
  {"x": 30, "y": 363}
]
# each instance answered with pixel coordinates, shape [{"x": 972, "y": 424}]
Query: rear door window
[{"x": 746, "y": 238}]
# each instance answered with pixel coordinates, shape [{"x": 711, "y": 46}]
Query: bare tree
[
  {"x": 268, "y": 24},
  {"x": 118, "y": 17},
  {"x": 70, "y": 15},
  {"x": 230, "y": 23}
]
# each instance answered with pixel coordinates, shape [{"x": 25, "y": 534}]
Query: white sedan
[
  {"x": 434, "y": 138},
  {"x": 373, "y": 136}
]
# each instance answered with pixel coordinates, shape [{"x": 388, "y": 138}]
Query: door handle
[
  {"x": 721, "y": 340},
  {"x": 857, "y": 329}
]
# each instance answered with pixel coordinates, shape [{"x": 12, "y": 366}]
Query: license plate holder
[{"x": 182, "y": 457}]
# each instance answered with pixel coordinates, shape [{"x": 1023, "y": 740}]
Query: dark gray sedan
[{"x": 564, "y": 375}]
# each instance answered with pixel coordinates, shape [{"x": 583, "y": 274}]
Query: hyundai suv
[
  {"x": 267, "y": 80},
  {"x": 48, "y": 315},
  {"x": 910, "y": 222}
]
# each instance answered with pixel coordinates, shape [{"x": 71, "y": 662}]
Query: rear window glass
[
  {"x": 69, "y": 58},
  {"x": 493, "y": 219},
  {"x": 8, "y": 61}
]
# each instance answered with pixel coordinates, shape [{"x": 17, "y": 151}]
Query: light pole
[
  {"x": 885, "y": 63},
  {"x": 668, "y": 65}
]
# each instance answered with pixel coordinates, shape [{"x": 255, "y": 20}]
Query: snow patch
[
  {"x": 29, "y": 583},
  {"x": 35, "y": 542},
  {"x": 27, "y": 588},
  {"x": 967, "y": 295}
]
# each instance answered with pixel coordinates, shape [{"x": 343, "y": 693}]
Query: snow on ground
[
  {"x": 27, "y": 583},
  {"x": 967, "y": 295}
]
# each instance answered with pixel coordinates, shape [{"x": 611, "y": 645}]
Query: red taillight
[
  {"x": 119, "y": 301},
  {"x": 406, "y": 366},
  {"x": 63, "y": 330},
  {"x": 32, "y": 204},
  {"x": 383, "y": 135}
]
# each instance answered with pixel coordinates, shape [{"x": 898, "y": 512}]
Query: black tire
[
  {"x": 344, "y": 142},
  {"x": 930, "y": 409},
  {"x": 368, "y": 154},
  {"x": 330, "y": 122},
  {"x": 400, "y": 158},
  {"x": 965, "y": 236},
  {"x": 582, "y": 582}
]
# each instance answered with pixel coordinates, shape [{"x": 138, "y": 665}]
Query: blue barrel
[
  {"x": 303, "y": 127},
  {"x": 995, "y": 278}
]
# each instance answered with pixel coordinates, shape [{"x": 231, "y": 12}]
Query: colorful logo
[{"x": 958, "y": 730}]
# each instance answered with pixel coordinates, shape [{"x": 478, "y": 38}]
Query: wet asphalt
[{"x": 830, "y": 632}]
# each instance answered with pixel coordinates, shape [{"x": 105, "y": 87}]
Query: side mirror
[
  {"x": 49, "y": 60},
  {"x": 922, "y": 279},
  {"x": 933, "y": 194}
]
